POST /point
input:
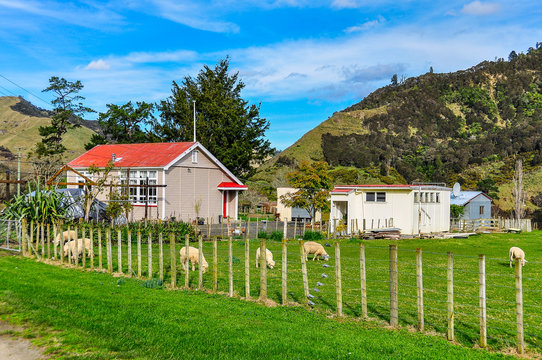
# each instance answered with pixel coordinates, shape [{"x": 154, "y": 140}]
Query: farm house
[
  {"x": 413, "y": 209},
  {"x": 194, "y": 184},
  {"x": 476, "y": 204}
]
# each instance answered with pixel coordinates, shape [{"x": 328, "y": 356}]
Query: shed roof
[{"x": 465, "y": 197}]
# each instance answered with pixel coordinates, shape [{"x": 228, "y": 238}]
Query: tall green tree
[
  {"x": 68, "y": 108},
  {"x": 123, "y": 124},
  {"x": 226, "y": 124},
  {"x": 313, "y": 182}
]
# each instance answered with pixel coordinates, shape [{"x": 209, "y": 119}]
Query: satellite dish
[{"x": 456, "y": 190}]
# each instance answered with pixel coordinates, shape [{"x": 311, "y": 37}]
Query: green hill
[
  {"x": 464, "y": 126},
  {"x": 19, "y": 123}
]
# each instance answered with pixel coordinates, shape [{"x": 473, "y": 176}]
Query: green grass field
[
  {"x": 91, "y": 315},
  {"x": 500, "y": 282}
]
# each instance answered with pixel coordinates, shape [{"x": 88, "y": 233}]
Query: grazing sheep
[
  {"x": 268, "y": 258},
  {"x": 76, "y": 247},
  {"x": 311, "y": 247},
  {"x": 193, "y": 256},
  {"x": 516, "y": 253},
  {"x": 67, "y": 235}
]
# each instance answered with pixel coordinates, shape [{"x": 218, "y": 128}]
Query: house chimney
[{"x": 113, "y": 156}]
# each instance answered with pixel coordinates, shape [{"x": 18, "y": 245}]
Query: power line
[
  {"x": 7, "y": 91},
  {"x": 25, "y": 89}
]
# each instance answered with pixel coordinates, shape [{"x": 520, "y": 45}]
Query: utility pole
[
  {"x": 194, "y": 101},
  {"x": 19, "y": 173}
]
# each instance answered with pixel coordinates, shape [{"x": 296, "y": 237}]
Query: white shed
[{"x": 414, "y": 209}]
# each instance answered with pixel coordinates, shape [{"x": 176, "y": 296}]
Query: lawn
[
  {"x": 500, "y": 281},
  {"x": 92, "y": 315}
]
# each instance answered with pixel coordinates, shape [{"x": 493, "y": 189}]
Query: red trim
[
  {"x": 154, "y": 205},
  {"x": 224, "y": 203},
  {"x": 231, "y": 185}
]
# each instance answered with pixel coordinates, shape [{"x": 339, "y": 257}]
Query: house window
[
  {"x": 370, "y": 197},
  {"x": 381, "y": 197},
  {"x": 416, "y": 197},
  {"x": 482, "y": 210},
  {"x": 194, "y": 157},
  {"x": 437, "y": 197},
  {"x": 138, "y": 195},
  {"x": 80, "y": 179}
]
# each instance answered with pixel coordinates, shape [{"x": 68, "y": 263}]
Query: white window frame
[
  {"x": 381, "y": 200},
  {"x": 138, "y": 194},
  {"x": 79, "y": 179},
  {"x": 194, "y": 156},
  {"x": 373, "y": 194}
]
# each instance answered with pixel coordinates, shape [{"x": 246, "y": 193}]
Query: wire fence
[{"x": 470, "y": 299}]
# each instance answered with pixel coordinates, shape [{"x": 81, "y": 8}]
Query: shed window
[
  {"x": 482, "y": 210},
  {"x": 381, "y": 197},
  {"x": 437, "y": 197},
  {"x": 432, "y": 197},
  {"x": 194, "y": 157},
  {"x": 416, "y": 197},
  {"x": 370, "y": 196}
]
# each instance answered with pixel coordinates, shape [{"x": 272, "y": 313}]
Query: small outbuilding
[{"x": 476, "y": 204}]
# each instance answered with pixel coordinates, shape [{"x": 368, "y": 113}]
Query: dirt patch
[{"x": 13, "y": 347}]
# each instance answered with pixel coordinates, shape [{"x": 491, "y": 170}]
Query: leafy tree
[
  {"x": 489, "y": 187},
  {"x": 123, "y": 124},
  {"x": 68, "y": 108},
  {"x": 430, "y": 69},
  {"x": 394, "y": 80},
  {"x": 314, "y": 182},
  {"x": 99, "y": 178},
  {"x": 226, "y": 124},
  {"x": 512, "y": 56},
  {"x": 456, "y": 211}
]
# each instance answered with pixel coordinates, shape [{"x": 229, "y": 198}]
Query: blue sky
[{"x": 303, "y": 60}]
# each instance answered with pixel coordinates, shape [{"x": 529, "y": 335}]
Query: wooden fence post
[
  {"x": 109, "y": 252},
  {"x": 338, "y": 279},
  {"x": 161, "y": 256},
  {"x": 139, "y": 266},
  {"x": 149, "y": 255},
  {"x": 450, "y": 282},
  {"x": 31, "y": 240},
  {"x": 295, "y": 229},
  {"x": 23, "y": 237},
  {"x": 61, "y": 246},
  {"x": 284, "y": 271},
  {"x": 247, "y": 268},
  {"x": 48, "y": 234},
  {"x": 119, "y": 252},
  {"x": 419, "y": 289},
  {"x": 483, "y": 315},
  {"x": 519, "y": 308},
  {"x": 129, "y": 243},
  {"x": 200, "y": 259},
  {"x": 363, "y": 277},
  {"x": 394, "y": 287},
  {"x": 304, "y": 272},
  {"x": 173, "y": 260},
  {"x": 42, "y": 228},
  {"x": 263, "y": 270},
  {"x": 78, "y": 249},
  {"x": 285, "y": 230},
  {"x": 230, "y": 267},
  {"x": 100, "y": 262},
  {"x": 187, "y": 262},
  {"x": 215, "y": 265},
  {"x": 91, "y": 230},
  {"x": 83, "y": 233}
]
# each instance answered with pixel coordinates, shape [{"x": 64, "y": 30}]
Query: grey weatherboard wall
[{"x": 472, "y": 208}]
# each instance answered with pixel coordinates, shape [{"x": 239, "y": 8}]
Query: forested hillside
[{"x": 466, "y": 126}]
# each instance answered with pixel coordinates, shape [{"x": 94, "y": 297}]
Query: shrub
[
  {"x": 262, "y": 234},
  {"x": 276, "y": 236},
  {"x": 313, "y": 235},
  {"x": 153, "y": 284}
]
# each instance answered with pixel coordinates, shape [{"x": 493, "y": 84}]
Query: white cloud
[
  {"x": 98, "y": 65},
  {"x": 346, "y": 4},
  {"x": 478, "y": 8},
  {"x": 366, "y": 25}
]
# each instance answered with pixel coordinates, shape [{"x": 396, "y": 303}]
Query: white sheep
[
  {"x": 516, "y": 253},
  {"x": 311, "y": 247},
  {"x": 268, "y": 258},
  {"x": 67, "y": 235},
  {"x": 75, "y": 247},
  {"x": 193, "y": 256}
]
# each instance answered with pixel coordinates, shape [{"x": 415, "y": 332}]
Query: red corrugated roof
[
  {"x": 228, "y": 185},
  {"x": 376, "y": 185},
  {"x": 340, "y": 190},
  {"x": 132, "y": 155}
]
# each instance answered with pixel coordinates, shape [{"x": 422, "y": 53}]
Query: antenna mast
[{"x": 194, "y": 101}]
